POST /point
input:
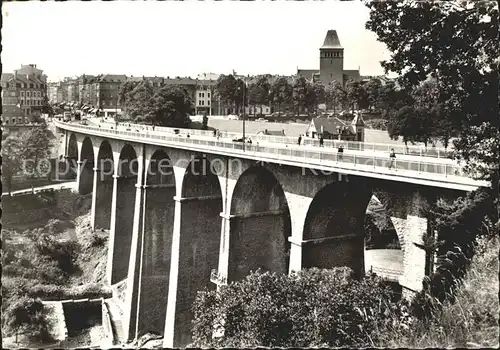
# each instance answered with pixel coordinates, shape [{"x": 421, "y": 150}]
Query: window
[
  {"x": 208, "y": 102},
  {"x": 13, "y": 120},
  {"x": 22, "y": 93},
  {"x": 18, "y": 85},
  {"x": 20, "y": 120},
  {"x": 7, "y": 121},
  {"x": 208, "y": 95},
  {"x": 28, "y": 94},
  {"x": 31, "y": 86},
  {"x": 22, "y": 102}
]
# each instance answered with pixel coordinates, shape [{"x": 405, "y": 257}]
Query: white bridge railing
[
  {"x": 320, "y": 157},
  {"x": 435, "y": 152}
]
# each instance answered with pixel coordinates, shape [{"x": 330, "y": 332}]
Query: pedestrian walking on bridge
[
  {"x": 300, "y": 139},
  {"x": 321, "y": 141},
  {"x": 392, "y": 157},
  {"x": 340, "y": 153}
]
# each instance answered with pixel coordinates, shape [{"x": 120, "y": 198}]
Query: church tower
[{"x": 331, "y": 59}]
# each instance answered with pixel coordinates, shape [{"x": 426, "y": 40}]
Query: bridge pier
[
  {"x": 195, "y": 252},
  {"x": 408, "y": 210},
  {"x": 298, "y": 205},
  {"x": 148, "y": 276}
]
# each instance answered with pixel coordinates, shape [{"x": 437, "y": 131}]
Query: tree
[
  {"x": 204, "y": 125},
  {"x": 281, "y": 92},
  {"x": 227, "y": 89},
  {"x": 300, "y": 93},
  {"x": 426, "y": 97},
  {"x": 124, "y": 94},
  {"x": 253, "y": 94},
  {"x": 335, "y": 95},
  {"x": 46, "y": 107},
  {"x": 169, "y": 106},
  {"x": 12, "y": 149},
  {"x": 356, "y": 95},
  {"x": 404, "y": 123},
  {"x": 317, "y": 95},
  {"x": 372, "y": 90},
  {"x": 455, "y": 42},
  {"x": 36, "y": 151},
  {"x": 136, "y": 98},
  {"x": 263, "y": 87}
]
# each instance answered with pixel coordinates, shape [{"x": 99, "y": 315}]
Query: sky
[{"x": 183, "y": 38}]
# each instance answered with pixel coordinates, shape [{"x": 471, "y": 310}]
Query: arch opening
[
  {"x": 384, "y": 247},
  {"x": 125, "y": 207},
  {"x": 200, "y": 229},
  {"x": 334, "y": 227},
  {"x": 72, "y": 158},
  {"x": 260, "y": 226},
  {"x": 159, "y": 214},
  {"x": 104, "y": 186},
  {"x": 87, "y": 167}
]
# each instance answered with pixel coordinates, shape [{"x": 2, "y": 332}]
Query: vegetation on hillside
[
  {"x": 470, "y": 320},
  {"x": 61, "y": 260},
  {"x": 327, "y": 308}
]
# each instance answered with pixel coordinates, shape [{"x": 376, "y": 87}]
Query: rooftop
[{"x": 331, "y": 40}]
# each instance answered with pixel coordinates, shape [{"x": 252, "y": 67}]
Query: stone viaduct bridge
[{"x": 183, "y": 212}]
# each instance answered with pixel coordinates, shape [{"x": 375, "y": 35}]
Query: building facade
[
  {"x": 26, "y": 88},
  {"x": 331, "y": 63}
]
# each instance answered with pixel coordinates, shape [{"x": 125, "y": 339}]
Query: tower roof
[{"x": 331, "y": 40}]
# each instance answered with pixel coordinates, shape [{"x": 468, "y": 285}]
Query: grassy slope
[{"x": 472, "y": 321}]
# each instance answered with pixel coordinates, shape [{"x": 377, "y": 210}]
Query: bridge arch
[
  {"x": 334, "y": 227},
  {"x": 159, "y": 214},
  {"x": 72, "y": 156},
  {"x": 260, "y": 225},
  {"x": 104, "y": 170},
  {"x": 384, "y": 243},
  {"x": 87, "y": 167},
  {"x": 200, "y": 231},
  {"x": 126, "y": 177}
]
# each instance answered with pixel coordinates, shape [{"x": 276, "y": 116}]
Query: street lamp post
[{"x": 244, "y": 140}]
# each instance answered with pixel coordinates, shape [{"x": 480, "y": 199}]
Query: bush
[
  {"x": 378, "y": 124},
  {"x": 311, "y": 308},
  {"x": 25, "y": 316},
  {"x": 471, "y": 320},
  {"x": 72, "y": 203},
  {"x": 64, "y": 253},
  {"x": 97, "y": 241}
]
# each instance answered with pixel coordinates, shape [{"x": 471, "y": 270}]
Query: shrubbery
[
  {"x": 378, "y": 124},
  {"x": 25, "y": 315},
  {"x": 73, "y": 203},
  {"x": 310, "y": 308}
]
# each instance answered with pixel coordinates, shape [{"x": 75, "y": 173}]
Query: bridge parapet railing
[
  {"x": 285, "y": 152},
  {"x": 414, "y": 150}
]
